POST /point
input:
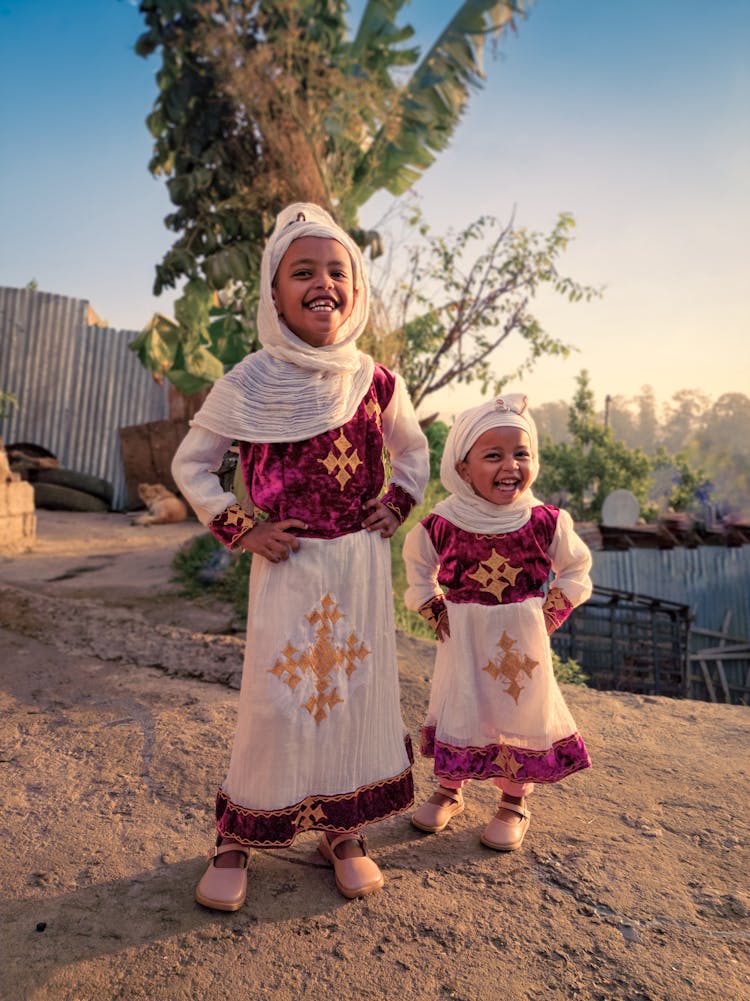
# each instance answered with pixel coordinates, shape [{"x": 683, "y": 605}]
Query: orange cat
[{"x": 163, "y": 506}]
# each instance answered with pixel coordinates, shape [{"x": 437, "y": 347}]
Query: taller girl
[
  {"x": 320, "y": 744},
  {"x": 478, "y": 569}
]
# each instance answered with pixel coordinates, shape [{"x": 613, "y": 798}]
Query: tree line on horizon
[{"x": 689, "y": 454}]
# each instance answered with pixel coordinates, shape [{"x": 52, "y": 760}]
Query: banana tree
[{"x": 265, "y": 103}]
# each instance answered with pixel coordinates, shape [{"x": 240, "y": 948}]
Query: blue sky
[{"x": 631, "y": 114}]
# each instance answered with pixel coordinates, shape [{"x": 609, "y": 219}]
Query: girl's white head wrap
[
  {"x": 290, "y": 390},
  {"x": 464, "y": 507},
  {"x": 293, "y": 223}
]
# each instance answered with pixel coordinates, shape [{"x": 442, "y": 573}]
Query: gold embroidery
[
  {"x": 310, "y": 813},
  {"x": 235, "y": 515},
  {"x": 507, "y": 760},
  {"x": 342, "y": 460},
  {"x": 433, "y": 611},
  {"x": 495, "y": 579},
  {"x": 510, "y": 665},
  {"x": 372, "y": 409},
  {"x": 556, "y": 601},
  {"x": 321, "y": 660}
]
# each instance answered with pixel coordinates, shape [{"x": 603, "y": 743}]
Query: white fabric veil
[
  {"x": 290, "y": 391},
  {"x": 463, "y": 507}
]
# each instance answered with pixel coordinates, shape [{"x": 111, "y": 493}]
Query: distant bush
[{"x": 568, "y": 672}]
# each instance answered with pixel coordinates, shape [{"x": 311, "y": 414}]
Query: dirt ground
[{"x": 118, "y": 703}]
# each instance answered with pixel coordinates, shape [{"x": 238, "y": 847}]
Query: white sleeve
[
  {"x": 571, "y": 561},
  {"x": 194, "y": 470},
  {"x": 422, "y": 565},
  {"x": 406, "y": 443}
]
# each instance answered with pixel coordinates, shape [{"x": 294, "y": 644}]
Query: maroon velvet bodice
[
  {"x": 494, "y": 569},
  {"x": 325, "y": 480}
]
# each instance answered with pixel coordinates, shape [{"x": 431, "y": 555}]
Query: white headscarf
[
  {"x": 290, "y": 391},
  {"x": 463, "y": 507}
]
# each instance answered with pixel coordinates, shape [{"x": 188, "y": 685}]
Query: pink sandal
[
  {"x": 434, "y": 817},
  {"x": 355, "y": 877},
  {"x": 224, "y": 889},
  {"x": 504, "y": 836}
]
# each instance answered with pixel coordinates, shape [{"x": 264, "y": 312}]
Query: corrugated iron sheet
[
  {"x": 76, "y": 384},
  {"x": 712, "y": 580}
]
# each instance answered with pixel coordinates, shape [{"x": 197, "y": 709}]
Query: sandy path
[{"x": 632, "y": 883}]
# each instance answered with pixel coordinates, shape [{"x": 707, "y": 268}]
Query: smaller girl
[{"x": 477, "y": 569}]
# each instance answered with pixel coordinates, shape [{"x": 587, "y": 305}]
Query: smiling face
[
  {"x": 313, "y": 289},
  {"x": 499, "y": 465}
]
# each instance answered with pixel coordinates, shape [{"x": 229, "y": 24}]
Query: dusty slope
[{"x": 632, "y": 883}]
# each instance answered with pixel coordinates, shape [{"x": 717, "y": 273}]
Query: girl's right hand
[{"x": 272, "y": 539}]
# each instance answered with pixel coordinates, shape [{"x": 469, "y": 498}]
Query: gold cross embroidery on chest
[
  {"x": 372, "y": 409},
  {"x": 494, "y": 574},
  {"x": 510, "y": 665},
  {"x": 321, "y": 659},
  {"x": 337, "y": 464}
]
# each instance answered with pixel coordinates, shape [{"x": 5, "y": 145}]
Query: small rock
[{"x": 629, "y": 933}]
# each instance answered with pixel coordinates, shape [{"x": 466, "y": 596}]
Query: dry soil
[{"x": 118, "y": 701}]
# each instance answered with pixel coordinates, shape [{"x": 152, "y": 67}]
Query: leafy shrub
[
  {"x": 205, "y": 567},
  {"x": 568, "y": 672}
]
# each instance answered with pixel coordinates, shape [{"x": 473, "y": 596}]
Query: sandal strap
[
  {"x": 230, "y": 847},
  {"x": 514, "y": 808},
  {"x": 455, "y": 794},
  {"x": 352, "y": 836}
]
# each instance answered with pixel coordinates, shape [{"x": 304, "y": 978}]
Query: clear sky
[{"x": 634, "y": 115}]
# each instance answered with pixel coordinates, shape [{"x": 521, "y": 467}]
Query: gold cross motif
[
  {"x": 494, "y": 574},
  {"x": 310, "y": 814},
  {"x": 506, "y": 759},
  {"x": 372, "y": 409},
  {"x": 510, "y": 666},
  {"x": 342, "y": 460},
  {"x": 322, "y": 659}
]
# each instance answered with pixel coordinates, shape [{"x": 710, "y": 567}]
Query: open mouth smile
[{"x": 322, "y": 304}]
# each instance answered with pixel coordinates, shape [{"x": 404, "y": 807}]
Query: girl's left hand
[{"x": 380, "y": 519}]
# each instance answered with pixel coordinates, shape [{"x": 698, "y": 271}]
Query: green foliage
[
  {"x": 231, "y": 585},
  {"x": 436, "y": 433},
  {"x": 688, "y": 486},
  {"x": 463, "y": 295},
  {"x": 568, "y": 672},
  {"x": 7, "y": 403},
  {"x": 407, "y": 620},
  {"x": 580, "y": 474},
  {"x": 261, "y": 104}
]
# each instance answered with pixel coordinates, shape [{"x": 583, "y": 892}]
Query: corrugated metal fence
[
  {"x": 76, "y": 384},
  {"x": 712, "y": 580}
]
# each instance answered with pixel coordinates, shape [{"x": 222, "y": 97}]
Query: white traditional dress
[
  {"x": 496, "y": 710},
  {"x": 320, "y": 743}
]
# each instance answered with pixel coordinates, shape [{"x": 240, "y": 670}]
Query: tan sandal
[
  {"x": 433, "y": 817},
  {"x": 503, "y": 836},
  {"x": 355, "y": 877},
  {"x": 224, "y": 889}
]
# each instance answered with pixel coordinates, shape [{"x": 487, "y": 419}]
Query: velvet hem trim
[
  {"x": 518, "y": 764},
  {"x": 340, "y": 814}
]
